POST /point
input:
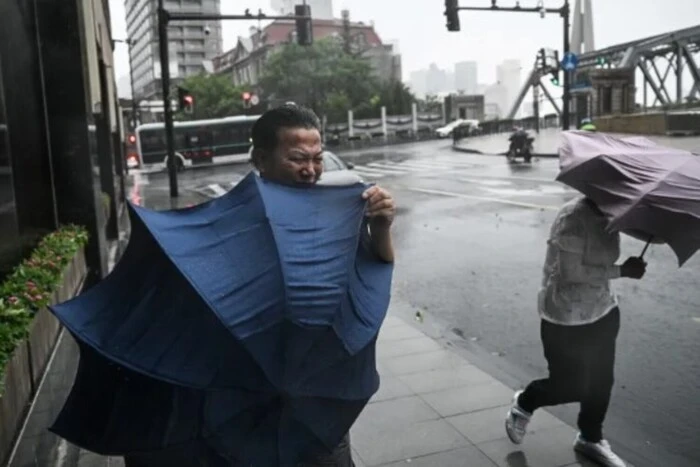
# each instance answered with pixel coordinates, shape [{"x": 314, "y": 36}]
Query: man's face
[{"x": 298, "y": 157}]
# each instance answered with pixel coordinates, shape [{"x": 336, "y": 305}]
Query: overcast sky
[{"x": 488, "y": 38}]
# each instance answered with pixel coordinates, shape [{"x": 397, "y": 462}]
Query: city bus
[{"x": 196, "y": 141}]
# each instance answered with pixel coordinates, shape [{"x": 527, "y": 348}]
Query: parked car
[
  {"x": 465, "y": 128},
  {"x": 337, "y": 172}
]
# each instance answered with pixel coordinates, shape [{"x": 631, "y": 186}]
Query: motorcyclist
[{"x": 520, "y": 138}]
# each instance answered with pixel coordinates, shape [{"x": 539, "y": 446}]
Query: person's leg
[
  {"x": 564, "y": 355},
  {"x": 341, "y": 456},
  {"x": 601, "y": 367},
  {"x": 563, "y": 385}
]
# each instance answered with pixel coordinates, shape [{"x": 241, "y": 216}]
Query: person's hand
[
  {"x": 633, "y": 268},
  {"x": 380, "y": 205}
]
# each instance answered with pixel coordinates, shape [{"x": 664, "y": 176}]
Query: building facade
[
  {"x": 246, "y": 61},
  {"x": 465, "y": 107},
  {"x": 61, "y": 158},
  {"x": 190, "y": 43},
  {"x": 320, "y": 9}
]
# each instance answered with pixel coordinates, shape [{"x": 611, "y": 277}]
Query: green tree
[
  {"x": 215, "y": 96},
  {"x": 322, "y": 76}
]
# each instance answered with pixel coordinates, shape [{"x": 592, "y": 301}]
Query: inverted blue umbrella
[{"x": 241, "y": 330}]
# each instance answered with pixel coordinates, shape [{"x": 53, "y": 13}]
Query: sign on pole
[{"x": 569, "y": 62}]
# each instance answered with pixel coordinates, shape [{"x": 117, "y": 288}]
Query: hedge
[{"x": 30, "y": 286}]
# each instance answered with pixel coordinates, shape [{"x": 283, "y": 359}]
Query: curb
[{"x": 476, "y": 151}]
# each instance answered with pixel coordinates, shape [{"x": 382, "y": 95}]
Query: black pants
[
  {"x": 581, "y": 363},
  {"x": 340, "y": 457}
]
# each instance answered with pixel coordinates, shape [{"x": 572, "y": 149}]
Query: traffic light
[
  {"x": 555, "y": 77},
  {"x": 185, "y": 100},
  {"x": 601, "y": 61},
  {"x": 246, "y": 99},
  {"x": 305, "y": 31},
  {"x": 542, "y": 58},
  {"x": 452, "y": 13}
]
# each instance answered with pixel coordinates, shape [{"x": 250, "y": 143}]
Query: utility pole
[
  {"x": 304, "y": 31},
  {"x": 134, "y": 107},
  {"x": 163, "y": 18},
  {"x": 453, "y": 24}
]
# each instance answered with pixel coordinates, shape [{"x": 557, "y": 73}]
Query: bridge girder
[{"x": 678, "y": 51}]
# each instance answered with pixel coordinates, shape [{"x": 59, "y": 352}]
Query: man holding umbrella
[{"x": 580, "y": 320}]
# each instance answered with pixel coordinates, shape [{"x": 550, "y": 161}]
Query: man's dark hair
[{"x": 266, "y": 129}]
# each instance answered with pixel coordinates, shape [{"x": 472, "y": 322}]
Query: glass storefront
[{"x": 9, "y": 238}]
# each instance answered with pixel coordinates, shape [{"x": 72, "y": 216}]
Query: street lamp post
[
  {"x": 164, "y": 17},
  {"x": 451, "y": 9}
]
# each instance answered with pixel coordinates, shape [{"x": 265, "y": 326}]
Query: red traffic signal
[
  {"x": 246, "y": 96},
  {"x": 188, "y": 99},
  {"x": 132, "y": 139}
]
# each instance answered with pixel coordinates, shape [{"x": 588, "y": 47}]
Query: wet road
[{"x": 471, "y": 241}]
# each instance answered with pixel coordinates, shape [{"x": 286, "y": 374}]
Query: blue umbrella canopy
[{"x": 244, "y": 327}]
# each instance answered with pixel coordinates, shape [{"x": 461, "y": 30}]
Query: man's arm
[
  {"x": 380, "y": 210},
  {"x": 573, "y": 269},
  {"x": 380, "y": 239}
]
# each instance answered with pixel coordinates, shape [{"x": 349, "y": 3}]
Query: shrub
[{"x": 29, "y": 287}]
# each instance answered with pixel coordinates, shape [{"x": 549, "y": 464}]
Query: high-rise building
[
  {"x": 320, "y": 9},
  {"x": 508, "y": 74},
  {"x": 466, "y": 77},
  {"x": 190, "y": 43}
]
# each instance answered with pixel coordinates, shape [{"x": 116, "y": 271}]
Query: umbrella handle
[{"x": 646, "y": 247}]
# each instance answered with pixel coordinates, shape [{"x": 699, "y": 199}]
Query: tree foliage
[
  {"x": 330, "y": 81},
  {"x": 215, "y": 96}
]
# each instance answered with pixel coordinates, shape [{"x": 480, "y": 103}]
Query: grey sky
[{"x": 488, "y": 38}]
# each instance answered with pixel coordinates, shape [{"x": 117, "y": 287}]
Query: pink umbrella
[{"x": 646, "y": 190}]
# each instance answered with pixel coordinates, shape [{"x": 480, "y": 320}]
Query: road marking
[
  {"x": 423, "y": 165},
  {"x": 484, "y": 198},
  {"x": 390, "y": 169},
  {"x": 366, "y": 171},
  {"x": 217, "y": 189}
]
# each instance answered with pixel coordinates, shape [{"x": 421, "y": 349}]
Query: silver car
[{"x": 337, "y": 172}]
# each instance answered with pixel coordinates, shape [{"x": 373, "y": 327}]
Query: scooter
[{"x": 521, "y": 148}]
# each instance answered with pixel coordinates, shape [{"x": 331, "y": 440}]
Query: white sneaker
[
  {"x": 599, "y": 452},
  {"x": 516, "y": 421}
]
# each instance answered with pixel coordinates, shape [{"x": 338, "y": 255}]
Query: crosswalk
[
  {"x": 489, "y": 174},
  {"x": 387, "y": 168}
]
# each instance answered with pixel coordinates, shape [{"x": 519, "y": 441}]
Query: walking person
[{"x": 580, "y": 320}]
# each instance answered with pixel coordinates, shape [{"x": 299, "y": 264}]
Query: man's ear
[{"x": 257, "y": 157}]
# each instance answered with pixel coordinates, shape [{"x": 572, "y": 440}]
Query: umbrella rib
[{"x": 654, "y": 186}]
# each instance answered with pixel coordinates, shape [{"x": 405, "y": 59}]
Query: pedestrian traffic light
[
  {"x": 305, "y": 33},
  {"x": 185, "y": 101},
  {"x": 452, "y": 13}
]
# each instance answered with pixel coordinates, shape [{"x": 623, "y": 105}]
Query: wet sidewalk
[
  {"x": 435, "y": 409},
  {"x": 547, "y": 143}
]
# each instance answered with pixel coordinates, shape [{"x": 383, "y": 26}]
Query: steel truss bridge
[{"x": 678, "y": 51}]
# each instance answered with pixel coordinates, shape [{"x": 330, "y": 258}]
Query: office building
[
  {"x": 508, "y": 74},
  {"x": 466, "y": 77},
  {"x": 190, "y": 43}
]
